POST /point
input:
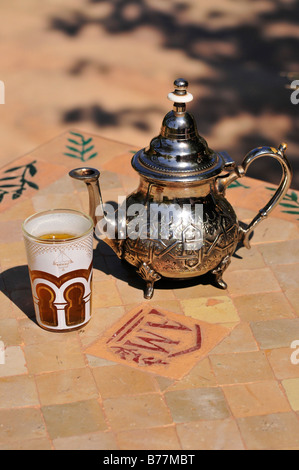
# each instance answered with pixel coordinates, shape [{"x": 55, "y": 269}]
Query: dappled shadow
[{"x": 247, "y": 63}]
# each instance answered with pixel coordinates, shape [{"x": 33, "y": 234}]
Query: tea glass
[{"x": 59, "y": 247}]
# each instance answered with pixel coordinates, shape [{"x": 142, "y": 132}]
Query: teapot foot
[
  {"x": 150, "y": 276},
  {"x": 219, "y": 270}
]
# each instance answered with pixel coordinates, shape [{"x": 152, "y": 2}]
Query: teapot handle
[{"x": 240, "y": 171}]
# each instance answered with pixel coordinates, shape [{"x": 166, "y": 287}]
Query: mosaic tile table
[{"x": 65, "y": 391}]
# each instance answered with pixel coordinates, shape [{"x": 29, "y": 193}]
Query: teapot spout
[{"x": 90, "y": 176}]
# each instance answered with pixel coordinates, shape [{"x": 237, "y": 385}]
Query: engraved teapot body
[{"x": 178, "y": 223}]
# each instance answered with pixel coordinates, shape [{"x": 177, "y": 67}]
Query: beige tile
[
  {"x": 15, "y": 363},
  {"x": 271, "y": 432},
  {"x": 28, "y": 444},
  {"x": 251, "y": 281},
  {"x": 293, "y": 297},
  {"x": 276, "y": 333},
  {"x": 197, "y": 404},
  {"x": 273, "y": 229},
  {"x": 102, "y": 318},
  {"x": 94, "y": 441},
  {"x": 240, "y": 340},
  {"x": 19, "y": 390},
  {"x": 210, "y": 435},
  {"x": 60, "y": 354},
  {"x": 162, "y": 438},
  {"x": 105, "y": 294},
  {"x": 287, "y": 275},
  {"x": 115, "y": 381},
  {"x": 218, "y": 309},
  {"x": 201, "y": 375},
  {"x": 246, "y": 259},
  {"x": 11, "y": 231},
  {"x": 9, "y": 332},
  {"x": 264, "y": 306},
  {"x": 254, "y": 399},
  {"x": 66, "y": 386},
  {"x": 291, "y": 387},
  {"x": 193, "y": 290},
  {"x": 74, "y": 419},
  {"x": 286, "y": 252},
  {"x": 281, "y": 363},
  {"x": 137, "y": 412},
  {"x": 18, "y": 423},
  {"x": 130, "y": 294},
  {"x": 6, "y": 307},
  {"x": 241, "y": 367}
]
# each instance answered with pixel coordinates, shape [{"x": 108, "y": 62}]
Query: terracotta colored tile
[
  {"x": 19, "y": 211},
  {"x": 19, "y": 390},
  {"x": 264, "y": 306},
  {"x": 18, "y": 423},
  {"x": 56, "y": 201},
  {"x": 254, "y": 399},
  {"x": 11, "y": 231},
  {"x": 15, "y": 363},
  {"x": 74, "y": 419},
  {"x": 280, "y": 361},
  {"x": 114, "y": 381},
  {"x": 163, "y": 382},
  {"x": 276, "y": 333},
  {"x": 218, "y": 309},
  {"x": 63, "y": 353},
  {"x": 291, "y": 387},
  {"x": 210, "y": 435},
  {"x": 12, "y": 254},
  {"x": 137, "y": 412},
  {"x": 246, "y": 259},
  {"x": 241, "y": 367},
  {"x": 293, "y": 296},
  {"x": 287, "y": 275},
  {"x": 240, "y": 340},
  {"x": 197, "y": 404},
  {"x": 66, "y": 386},
  {"x": 158, "y": 341},
  {"x": 201, "y": 375},
  {"x": 163, "y": 438},
  {"x": 285, "y": 252},
  {"x": 271, "y": 432},
  {"x": 94, "y": 441},
  {"x": 251, "y": 281},
  {"x": 105, "y": 294}
]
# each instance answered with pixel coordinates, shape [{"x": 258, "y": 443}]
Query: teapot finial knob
[{"x": 180, "y": 93}]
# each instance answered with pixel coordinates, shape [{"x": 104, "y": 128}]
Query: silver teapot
[{"x": 187, "y": 228}]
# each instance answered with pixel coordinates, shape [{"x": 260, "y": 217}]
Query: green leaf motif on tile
[
  {"x": 291, "y": 202},
  {"x": 80, "y": 147},
  {"x": 20, "y": 181}
]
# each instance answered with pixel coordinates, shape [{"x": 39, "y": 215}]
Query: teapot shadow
[{"x": 106, "y": 261}]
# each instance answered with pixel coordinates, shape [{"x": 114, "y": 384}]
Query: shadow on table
[
  {"x": 16, "y": 286},
  {"x": 15, "y": 282}
]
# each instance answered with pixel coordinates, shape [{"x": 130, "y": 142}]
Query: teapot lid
[{"x": 179, "y": 153}]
